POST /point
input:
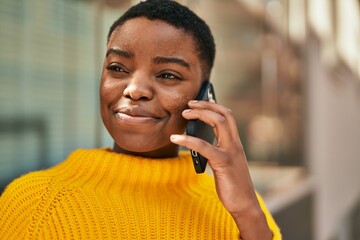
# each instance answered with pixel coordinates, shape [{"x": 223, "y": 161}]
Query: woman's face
[{"x": 151, "y": 71}]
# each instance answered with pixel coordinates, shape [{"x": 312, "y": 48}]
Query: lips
[
  {"x": 132, "y": 116},
  {"x": 136, "y": 112}
]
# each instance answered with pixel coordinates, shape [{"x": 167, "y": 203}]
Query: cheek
[
  {"x": 110, "y": 91},
  {"x": 108, "y": 94},
  {"x": 177, "y": 102},
  {"x": 180, "y": 103},
  {"x": 105, "y": 87}
]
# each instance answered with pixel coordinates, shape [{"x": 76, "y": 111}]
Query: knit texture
[{"x": 99, "y": 194}]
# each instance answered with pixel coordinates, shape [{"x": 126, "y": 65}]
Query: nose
[{"x": 139, "y": 88}]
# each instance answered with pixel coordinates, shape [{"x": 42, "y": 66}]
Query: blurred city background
[{"x": 289, "y": 69}]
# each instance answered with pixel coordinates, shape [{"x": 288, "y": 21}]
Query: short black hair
[{"x": 178, "y": 16}]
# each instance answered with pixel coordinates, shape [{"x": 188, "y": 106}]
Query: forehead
[{"x": 157, "y": 36}]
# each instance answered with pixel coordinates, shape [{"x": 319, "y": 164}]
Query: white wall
[{"x": 333, "y": 142}]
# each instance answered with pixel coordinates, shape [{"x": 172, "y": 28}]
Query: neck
[{"x": 168, "y": 151}]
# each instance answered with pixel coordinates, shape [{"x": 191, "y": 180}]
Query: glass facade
[{"x": 49, "y": 77}]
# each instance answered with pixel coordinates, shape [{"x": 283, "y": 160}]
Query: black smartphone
[{"x": 199, "y": 129}]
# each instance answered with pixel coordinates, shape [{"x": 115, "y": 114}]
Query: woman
[{"x": 158, "y": 55}]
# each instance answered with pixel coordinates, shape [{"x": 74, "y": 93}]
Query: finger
[
  {"x": 216, "y": 121},
  {"x": 231, "y": 128},
  {"x": 210, "y": 117},
  {"x": 213, "y": 154},
  {"x": 223, "y": 111}
]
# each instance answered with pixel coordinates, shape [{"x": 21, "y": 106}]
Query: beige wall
[{"x": 333, "y": 142}]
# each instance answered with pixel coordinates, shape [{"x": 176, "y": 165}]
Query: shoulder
[
  {"x": 28, "y": 200},
  {"x": 28, "y": 191},
  {"x": 34, "y": 185},
  {"x": 26, "y": 183},
  {"x": 20, "y": 202},
  {"x": 26, "y": 188}
]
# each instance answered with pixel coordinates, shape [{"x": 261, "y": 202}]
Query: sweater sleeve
[
  {"x": 20, "y": 204},
  {"x": 270, "y": 220}
]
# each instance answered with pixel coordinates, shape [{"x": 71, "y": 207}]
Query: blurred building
[{"x": 289, "y": 69}]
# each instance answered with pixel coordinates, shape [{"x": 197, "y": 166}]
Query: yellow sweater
[{"x": 98, "y": 194}]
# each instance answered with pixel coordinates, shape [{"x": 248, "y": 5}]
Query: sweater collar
[{"x": 99, "y": 167}]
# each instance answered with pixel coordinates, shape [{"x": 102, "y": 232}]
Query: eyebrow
[
  {"x": 114, "y": 51},
  {"x": 175, "y": 60}
]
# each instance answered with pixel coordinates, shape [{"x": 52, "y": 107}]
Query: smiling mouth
[
  {"x": 125, "y": 116},
  {"x": 135, "y": 116}
]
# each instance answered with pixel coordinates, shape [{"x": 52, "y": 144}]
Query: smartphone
[{"x": 199, "y": 129}]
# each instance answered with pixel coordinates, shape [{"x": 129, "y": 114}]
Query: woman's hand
[{"x": 228, "y": 162}]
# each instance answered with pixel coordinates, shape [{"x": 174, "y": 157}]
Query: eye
[
  {"x": 168, "y": 75},
  {"x": 115, "y": 68}
]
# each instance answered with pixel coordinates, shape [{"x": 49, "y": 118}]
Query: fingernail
[
  {"x": 173, "y": 137},
  {"x": 187, "y": 110},
  {"x": 194, "y": 101}
]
